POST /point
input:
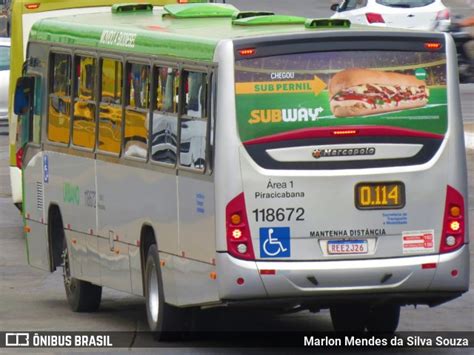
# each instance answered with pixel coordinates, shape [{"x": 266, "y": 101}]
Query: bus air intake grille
[{"x": 39, "y": 195}]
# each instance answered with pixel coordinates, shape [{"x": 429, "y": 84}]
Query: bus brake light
[
  {"x": 19, "y": 158},
  {"x": 239, "y": 241},
  {"x": 236, "y": 233},
  {"x": 455, "y": 226},
  {"x": 33, "y": 5},
  {"x": 452, "y": 237},
  {"x": 345, "y": 132},
  {"x": 432, "y": 45},
  {"x": 247, "y": 51}
]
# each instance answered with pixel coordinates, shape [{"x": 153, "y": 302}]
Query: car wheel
[
  {"x": 82, "y": 296},
  {"x": 384, "y": 318},
  {"x": 164, "y": 320},
  {"x": 349, "y": 318}
]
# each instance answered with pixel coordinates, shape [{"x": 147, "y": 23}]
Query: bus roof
[
  {"x": 31, "y": 6},
  {"x": 162, "y": 32}
]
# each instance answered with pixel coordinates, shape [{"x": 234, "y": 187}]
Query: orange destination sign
[{"x": 315, "y": 86}]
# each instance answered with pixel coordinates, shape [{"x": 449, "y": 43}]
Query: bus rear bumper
[{"x": 428, "y": 279}]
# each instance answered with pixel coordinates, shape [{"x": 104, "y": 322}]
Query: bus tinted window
[
  {"x": 165, "y": 120},
  {"x": 192, "y": 147},
  {"x": 110, "y": 117},
  {"x": 195, "y": 86},
  {"x": 166, "y": 89},
  {"x": 336, "y": 89},
  {"x": 59, "y": 105},
  {"x": 136, "y": 112},
  {"x": 84, "y": 102},
  {"x": 4, "y": 58}
]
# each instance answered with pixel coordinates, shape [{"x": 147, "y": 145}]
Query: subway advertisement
[{"x": 330, "y": 89}]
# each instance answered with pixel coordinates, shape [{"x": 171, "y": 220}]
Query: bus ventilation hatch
[
  {"x": 200, "y": 10},
  {"x": 327, "y": 23},
  {"x": 245, "y": 14},
  {"x": 131, "y": 7},
  {"x": 269, "y": 20}
]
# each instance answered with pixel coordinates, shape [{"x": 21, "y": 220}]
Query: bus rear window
[{"x": 346, "y": 88}]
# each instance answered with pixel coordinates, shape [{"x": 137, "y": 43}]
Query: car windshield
[
  {"x": 405, "y": 3},
  {"x": 4, "y": 57}
]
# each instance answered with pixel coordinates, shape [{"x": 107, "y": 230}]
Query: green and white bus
[
  {"x": 23, "y": 14},
  {"x": 200, "y": 156}
]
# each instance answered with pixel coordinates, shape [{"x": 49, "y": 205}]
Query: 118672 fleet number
[{"x": 278, "y": 214}]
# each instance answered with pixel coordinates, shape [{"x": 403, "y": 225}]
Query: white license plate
[{"x": 348, "y": 247}]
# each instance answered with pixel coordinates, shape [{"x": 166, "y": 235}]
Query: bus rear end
[{"x": 349, "y": 183}]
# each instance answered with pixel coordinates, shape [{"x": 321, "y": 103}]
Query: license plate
[
  {"x": 379, "y": 195},
  {"x": 347, "y": 247}
]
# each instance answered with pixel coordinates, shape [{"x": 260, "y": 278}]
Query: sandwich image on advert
[{"x": 361, "y": 92}]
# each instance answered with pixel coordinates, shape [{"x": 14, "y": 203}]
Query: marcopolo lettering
[{"x": 322, "y": 153}]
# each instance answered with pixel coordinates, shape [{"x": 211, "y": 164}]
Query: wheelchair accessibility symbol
[{"x": 275, "y": 242}]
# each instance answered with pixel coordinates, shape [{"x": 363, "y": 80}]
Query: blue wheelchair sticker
[{"x": 275, "y": 242}]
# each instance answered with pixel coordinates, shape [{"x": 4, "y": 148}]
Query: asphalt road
[{"x": 33, "y": 300}]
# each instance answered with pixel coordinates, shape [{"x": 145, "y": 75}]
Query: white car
[
  {"x": 412, "y": 14},
  {"x": 4, "y": 76}
]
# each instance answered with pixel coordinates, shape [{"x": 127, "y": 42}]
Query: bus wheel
[
  {"x": 82, "y": 296},
  {"x": 349, "y": 318},
  {"x": 164, "y": 320},
  {"x": 384, "y": 318}
]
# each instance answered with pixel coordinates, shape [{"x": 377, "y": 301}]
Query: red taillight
[
  {"x": 182, "y": 1},
  {"x": 372, "y": 17},
  {"x": 345, "y": 132},
  {"x": 33, "y": 5},
  {"x": 19, "y": 158},
  {"x": 247, "y": 51},
  {"x": 433, "y": 46},
  {"x": 239, "y": 241},
  {"x": 453, "y": 224},
  {"x": 443, "y": 15}
]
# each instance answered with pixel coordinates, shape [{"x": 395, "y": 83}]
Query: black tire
[
  {"x": 384, "y": 319},
  {"x": 164, "y": 320},
  {"x": 349, "y": 318},
  {"x": 82, "y": 296}
]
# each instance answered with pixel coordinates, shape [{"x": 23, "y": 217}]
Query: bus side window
[
  {"x": 193, "y": 127},
  {"x": 110, "y": 116},
  {"x": 59, "y": 103},
  {"x": 137, "y": 110},
  {"x": 164, "y": 131},
  {"x": 83, "y": 134},
  {"x": 37, "y": 112}
]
